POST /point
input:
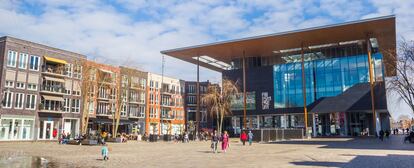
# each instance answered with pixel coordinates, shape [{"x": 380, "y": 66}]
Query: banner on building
[
  {"x": 266, "y": 101},
  {"x": 237, "y": 101}
]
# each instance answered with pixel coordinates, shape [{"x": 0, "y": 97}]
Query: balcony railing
[
  {"x": 53, "y": 89},
  {"x": 168, "y": 104},
  {"x": 51, "y": 108},
  {"x": 167, "y": 117},
  {"x": 53, "y": 70}
]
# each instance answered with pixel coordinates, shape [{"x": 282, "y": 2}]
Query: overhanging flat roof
[{"x": 381, "y": 28}]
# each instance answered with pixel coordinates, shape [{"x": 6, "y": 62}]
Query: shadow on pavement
[
  {"x": 394, "y": 142},
  {"x": 395, "y": 161}
]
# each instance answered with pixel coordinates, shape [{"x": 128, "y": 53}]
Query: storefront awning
[
  {"x": 54, "y": 79},
  {"x": 55, "y": 60},
  {"x": 53, "y": 98},
  {"x": 344, "y": 101}
]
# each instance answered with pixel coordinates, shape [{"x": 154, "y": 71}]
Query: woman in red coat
[{"x": 243, "y": 137}]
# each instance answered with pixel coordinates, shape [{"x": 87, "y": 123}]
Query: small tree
[
  {"x": 402, "y": 61},
  {"x": 218, "y": 101}
]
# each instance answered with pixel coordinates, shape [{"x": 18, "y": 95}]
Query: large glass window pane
[
  {"x": 17, "y": 130},
  {"x": 6, "y": 129},
  {"x": 27, "y": 129}
]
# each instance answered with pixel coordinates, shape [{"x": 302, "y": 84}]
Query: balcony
[
  {"x": 136, "y": 115},
  {"x": 53, "y": 70},
  {"x": 137, "y": 86},
  {"x": 51, "y": 104},
  {"x": 52, "y": 89},
  {"x": 167, "y": 117},
  {"x": 168, "y": 104}
]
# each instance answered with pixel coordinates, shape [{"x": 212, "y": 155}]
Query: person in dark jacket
[
  {"x": 381, "y": 135},
  {"x": 214, "y": 141}
]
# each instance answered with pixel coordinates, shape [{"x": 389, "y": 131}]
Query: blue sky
[{"x": 133, "y": 32}]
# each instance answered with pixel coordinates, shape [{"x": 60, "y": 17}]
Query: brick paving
[{"x": 319, "y": 152}]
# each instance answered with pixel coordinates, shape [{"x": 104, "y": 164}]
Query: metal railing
[{"x": 277, "y": 134}]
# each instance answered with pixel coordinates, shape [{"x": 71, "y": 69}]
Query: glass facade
[
  {"x": 324, "y": 78},
  {"x": 16, "y": 128}
]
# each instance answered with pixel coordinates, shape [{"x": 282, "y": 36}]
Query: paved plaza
[{"x": 321, "y": 152}]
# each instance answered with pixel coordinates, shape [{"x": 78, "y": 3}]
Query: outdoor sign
[
  {"x": 237, "y": 101},
  {"x": 265, "y": 100}
]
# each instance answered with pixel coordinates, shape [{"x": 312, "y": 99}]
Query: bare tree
[
  {"x": 218, "y": 101},
  {"x": 402, "y": 61},
  {"x": 92, "y": 80}
]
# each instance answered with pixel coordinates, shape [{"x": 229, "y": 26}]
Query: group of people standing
[
  {"x": 246, "y": 137},
  {"x": 224, "y": 138},
  {"x": 225, "y": 142}
]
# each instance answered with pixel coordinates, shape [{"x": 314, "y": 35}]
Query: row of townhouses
[{"x": 48, "y": 91}]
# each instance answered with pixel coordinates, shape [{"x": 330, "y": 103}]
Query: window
[
  {"x": 74, "y": 92},
  {"x": 67, "y": 91},
  {"x": 68, "y": 70},
  {"x": 192, "y": 100},
  {"x": 123, "y": 109},
  {"x": 142, "y": 97},
  {"x": 19, "y": 101},
  {"x": 23, "y": 60},
  {"x": 31, "y": 102},
  {"x": 191, "y": 88},
  {"x": 9, "y": 84},
  {"x": 143, "y": 82},
  {"x": 141, "y": 111},
  {"x": 66, "y": 105},
  {"x": 20, "y": 85},
  {"x": 34, "y": 63},
  {"x": 11, "y": 58},
  {"x": 103, "y": 108},
  {"x": 77, "y": 71},
  {"x": 151, "y": 85},
  {"x": 151, "y": 98},
  {"x": 75, "y": 105},
  {"x": 124, "y": 81},
  {"x": 133, "y": 96},
  {"x": 31, "y": 86},
  {"x": 7, "y": 99},
  {"x": 153, "y": 112}
]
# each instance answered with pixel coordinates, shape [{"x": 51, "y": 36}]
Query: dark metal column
[{"x": 244, "y": 91}]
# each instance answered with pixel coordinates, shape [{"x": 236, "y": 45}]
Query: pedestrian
[
  {"x": 214, "y": 141},
  {"x": 225, "y": 141},
  {"x": 186, "y": 139},
  {"x": 243, "y": 137},
  {"x": 250, "y": 135},
  {"x": 381, "y": 135},
  {"x": 408, "y": 131},
  {"x": 105, "y": 151}
]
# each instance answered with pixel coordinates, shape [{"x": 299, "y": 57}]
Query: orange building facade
[{"x": 165, "y": 106}]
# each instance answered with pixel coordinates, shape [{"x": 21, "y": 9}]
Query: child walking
[{"x": 105, "y": 151}]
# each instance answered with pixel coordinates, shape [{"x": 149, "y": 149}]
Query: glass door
[{"x": 48, "y": 129}]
